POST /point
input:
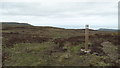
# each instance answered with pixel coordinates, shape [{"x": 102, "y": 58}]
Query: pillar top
[{"x": 86, "y": 25}]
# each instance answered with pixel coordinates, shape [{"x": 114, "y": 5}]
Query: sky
[{"x": 73, "y": 14}]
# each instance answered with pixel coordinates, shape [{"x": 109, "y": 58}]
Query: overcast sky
[{"x": 61, "y": 13}]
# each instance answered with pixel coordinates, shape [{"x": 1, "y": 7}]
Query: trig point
[{"x": 86, "y": 39}]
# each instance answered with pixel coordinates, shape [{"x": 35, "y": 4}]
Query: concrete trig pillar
[
  {"x": 86, "y": 50},
  {"x": 86, "y": 37}
]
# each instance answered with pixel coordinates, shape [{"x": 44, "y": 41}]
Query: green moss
[
  {"x": 26, "y": 54},
  {"x": 74, "y": 49}
]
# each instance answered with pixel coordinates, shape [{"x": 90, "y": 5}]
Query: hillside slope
[
  {"x": 109, "y": 30},
  {"x": 51, "y": 46},
  {"x": 14, "y": 23}
]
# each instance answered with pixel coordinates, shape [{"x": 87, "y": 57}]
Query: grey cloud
[{"x": 56, "y": 10}]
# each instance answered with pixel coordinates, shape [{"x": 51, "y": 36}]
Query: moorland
[{"x": 27, "y": 45}]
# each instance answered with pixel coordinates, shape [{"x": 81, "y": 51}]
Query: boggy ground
[{"x": 49, "y": 46}]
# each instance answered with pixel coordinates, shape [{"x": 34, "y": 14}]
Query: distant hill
[
  {"x": 111, "y": 30},
  {"x": 15, "y": 24}
]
